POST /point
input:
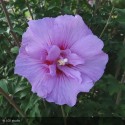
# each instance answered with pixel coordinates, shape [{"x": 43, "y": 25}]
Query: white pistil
[{"x": 62, "y": 62}]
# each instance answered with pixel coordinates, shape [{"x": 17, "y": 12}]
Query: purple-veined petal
[
  {"x": 74, "y": 59},
  {"x": 69, "y": 72},
  {"x": 30, "y": 68},
  {"x": 88, "y": 46},
  {"x": 36, "y": 38},
  {"x": 65, "y": 91},
  {"x": 41, "y": 28},
  {"x": 67, "y": 30},
  {"x": 44, "y": 85},
  {"x": 94, "y": 66}
]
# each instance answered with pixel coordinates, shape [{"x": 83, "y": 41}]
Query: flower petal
[
  {"x": 53, "y": 53},
  {"x": 65, "y": 91},
  {"x": 86, "y": 84},
  {"x": 74, "y": 59},
  {"x": 67, "y": 30},
  {"x": 35, "y": 51},
  {"x": 36, "y": 38},
  {"x": 69, "y": 72},
  {"x": 94, "y": 66},
  {"x": 37, "y": 74},
  {"x": 44, "y": 86},
  {"x": 40, "y": 29},
  {"x": 52, "y": 69},
  {"x": 30, "y": 68},
  {"x": 88, "y": 46}
]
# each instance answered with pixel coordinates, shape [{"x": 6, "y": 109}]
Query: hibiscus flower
[{"x": 60, "y": 57}]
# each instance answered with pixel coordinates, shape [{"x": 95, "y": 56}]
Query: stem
[
  {"x": 107, "y": 22},
  {"x": 118, "y": 99},
  {"x": 117, "y": 70},
  {"x": 9, "y": 23},
  {"x": 62, "y": 3},
  {"x": 27, "y": 3},
  {"x": 44, "y": 103},
  {"x": 63, "y": 114},
  {"x": 11, "y": 102},
  {"x": 77, "y": 6}
]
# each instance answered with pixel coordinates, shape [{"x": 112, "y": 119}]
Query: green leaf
[
  {"x": 15, "y": 49},
  {"x": 35, "y": 111},
  {"x": 20, "y": 88},
  {"x": 51, "y": 7},
  {"x": 32, "y": 102},
  {"x": 3, "y": 85},
  {"x": 18, "y": 30}
]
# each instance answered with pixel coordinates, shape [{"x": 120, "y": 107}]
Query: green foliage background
[{"x": 101, "y": 100}]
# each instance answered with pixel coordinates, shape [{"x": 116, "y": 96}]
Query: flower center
[{"x": 62, "y": 62}]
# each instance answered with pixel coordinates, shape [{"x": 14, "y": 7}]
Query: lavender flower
[{"x": 60, "y": 57}]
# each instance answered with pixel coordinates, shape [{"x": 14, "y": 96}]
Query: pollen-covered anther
[{"x": 62, "y": 62}]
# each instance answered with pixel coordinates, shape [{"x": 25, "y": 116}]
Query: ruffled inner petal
[
  {"x": 52, "y": 69},
  {"x": 73, "y": 58},
  {"x": 69, "y": 72},
  {"x": 53, "y": 53}
]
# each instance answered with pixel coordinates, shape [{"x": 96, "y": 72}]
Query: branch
[
  {"x": 9, "y": 99},
  {"x": 117, "y": 70},
  {"x": 9, "y": 23},
  {"x": 27, "y": 3},
  {"x": 118, "y": 99},
  {"x": 77, "y": 6},
  {"x": 107, "y": 23}
]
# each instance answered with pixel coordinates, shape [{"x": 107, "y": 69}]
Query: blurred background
[{"x": 106, "y": 19}]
